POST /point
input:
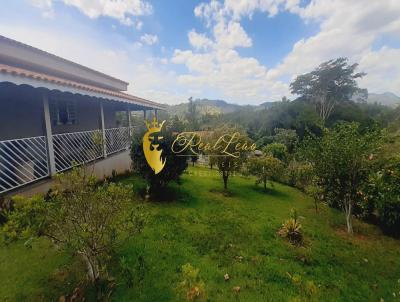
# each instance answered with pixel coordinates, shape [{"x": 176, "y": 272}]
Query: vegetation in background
[{"x": 277, "y": 150}]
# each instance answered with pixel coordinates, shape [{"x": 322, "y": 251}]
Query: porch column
[
  {"x": 144, "y": 114},
  {"x": 103, "y": 130},
  {"x": 156, "y": 113},
  {"x": 49, "y": 136},
  {"x": 128, "y": 112}
]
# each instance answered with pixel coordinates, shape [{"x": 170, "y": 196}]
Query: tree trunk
[
  {"x": 348, "y": 212},
  {"x": 92, "y": 267},
  {"x": 225, "y": 178}
]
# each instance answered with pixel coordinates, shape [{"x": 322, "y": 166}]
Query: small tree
[
  {"x": 91, "y": 219},
  {"x": 223, "y": 157},
  {"x": 342, "y": 160},
  {"x": 265, "y": 168}
]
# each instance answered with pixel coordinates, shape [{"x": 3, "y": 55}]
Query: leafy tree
[
  {"x": 330, "y": 83},
  {"x": 265, "y": 168},
  {"x": 342, "y": 160},
  {"x": 222, "y": 157},
  {"x": 277, "y": 150},
  {"x": 288, "y": 137},
  {"x": 174, "y": 165},
  {"x": 300, "y": 174}
]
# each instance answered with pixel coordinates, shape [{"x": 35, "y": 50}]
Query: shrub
[
  {"x": 174, "y": 165},
  {"x": 277, "y": 150},
  {"x": 91, "y": 220},
  {"x": 26, "y": 219},
  {"x": 300, "y": 174},
  {"x": 386, "y": 187},
  {"x": 191, "y": 288},
  {"x": 292, "y": 229}
]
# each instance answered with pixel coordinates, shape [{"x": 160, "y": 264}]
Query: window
[{"x": 63, "y": 112}]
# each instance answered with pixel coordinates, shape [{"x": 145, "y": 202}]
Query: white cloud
[
  {"x": 149, "y": 39},
  {"x": 231, "y": 35},
  {"x": 347, "y": 28},
  {"x": 139, "y": 25},
  {"x": 117, "y": 9},
  {"x": 46, "y": 6},
  {"x": 383, "y": 70},
  {"x": 214, "y": 64},
  {"x": 199, "y": 41}
]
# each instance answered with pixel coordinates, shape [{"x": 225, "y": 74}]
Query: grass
[{"x": 222, "y": 234}]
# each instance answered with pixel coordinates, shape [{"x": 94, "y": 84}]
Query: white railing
[
  {"x": 26, "y": 160},
  {"x": 22, "y": 161},
  {"x": 117, "y": 139},
  {"x": 76, "y": 148}
]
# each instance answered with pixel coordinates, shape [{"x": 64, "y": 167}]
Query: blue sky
[{"x": 242, "y": 51}]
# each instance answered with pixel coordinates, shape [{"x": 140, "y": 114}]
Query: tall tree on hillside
[
  {"x": 191, "y": 115},
  {"x": 330, "y": 83}
]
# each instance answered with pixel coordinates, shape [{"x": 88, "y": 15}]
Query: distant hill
[
  {"x": 215, "y": 107},
  {"x": 386, "y": 99}
]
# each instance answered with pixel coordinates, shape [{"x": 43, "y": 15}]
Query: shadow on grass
[
  {"x": 174, "y": 192},
  {"x": 270, "y": 191}
]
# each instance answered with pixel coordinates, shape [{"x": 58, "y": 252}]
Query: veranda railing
[{"x": 26, "y": 160}]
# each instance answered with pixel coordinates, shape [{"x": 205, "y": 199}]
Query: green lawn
[{"x": 219, "y": 234}]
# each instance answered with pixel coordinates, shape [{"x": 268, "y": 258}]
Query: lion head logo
[{"x": 151, "y": 146}]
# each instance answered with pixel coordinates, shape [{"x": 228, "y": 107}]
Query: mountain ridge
[{"x": 216, "y": 107}]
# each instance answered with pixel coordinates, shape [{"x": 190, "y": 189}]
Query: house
[{"x": 55, "y": 114}]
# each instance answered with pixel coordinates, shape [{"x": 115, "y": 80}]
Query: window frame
[{"x": 71, "y": 110}]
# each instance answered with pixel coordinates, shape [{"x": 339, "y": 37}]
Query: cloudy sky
[{"x": 242, "y": 51}]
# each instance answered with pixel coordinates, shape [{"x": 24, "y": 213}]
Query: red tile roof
[{"x": 68, "y": 83}]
